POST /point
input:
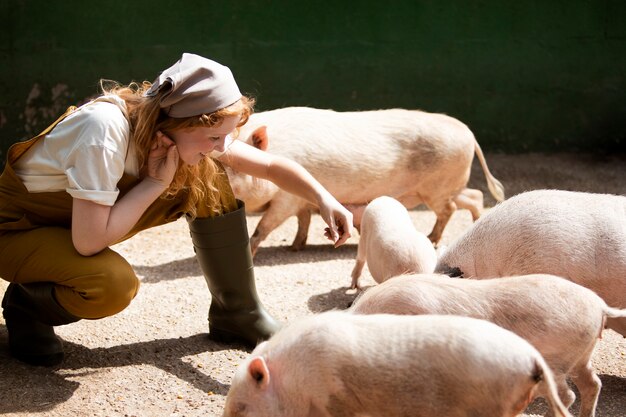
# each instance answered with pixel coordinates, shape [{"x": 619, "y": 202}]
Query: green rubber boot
[
  {"x": 30, "y": 312},
  {"x": 222, "y": 247}
]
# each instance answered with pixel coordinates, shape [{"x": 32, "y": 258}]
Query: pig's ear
[
  {"x": 259, "y": 138},
  {"x": 258, "y": 371}
]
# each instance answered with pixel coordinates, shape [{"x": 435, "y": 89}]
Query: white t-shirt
[{"x": 86, "y": 154}]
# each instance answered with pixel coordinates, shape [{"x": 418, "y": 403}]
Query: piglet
[
  {"x": 575, "y": 235},
  {"x": 563, "y": 320},
  {"x": 341, "y": 364},
  {"x": 390, "y": 244}
]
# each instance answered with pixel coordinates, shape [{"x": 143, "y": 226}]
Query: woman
[{"x": 137, "y": 157}]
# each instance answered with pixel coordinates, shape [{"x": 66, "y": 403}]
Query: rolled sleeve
[
  {"x": 94, "y": 174},
  {"x": 106, "y": 198}
]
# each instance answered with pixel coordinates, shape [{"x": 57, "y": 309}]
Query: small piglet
[
  {"x": 575, "y": 235},
  {"x": 340, "y": 364},
  {"x": 563, "y": 320},
  {"x": 390, "y": 244}
]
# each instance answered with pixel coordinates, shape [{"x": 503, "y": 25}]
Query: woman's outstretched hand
[
  {"x": 339, "y": 221},
  {"x": 162, "y": 160}
]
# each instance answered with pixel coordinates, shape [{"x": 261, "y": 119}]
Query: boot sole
[
  {"x": 226, "y": 337},
  {"x": 39, "y": 360}
]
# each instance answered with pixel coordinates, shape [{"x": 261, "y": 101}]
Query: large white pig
[
  {"x": 410, "y": 155},
  {"x": 339, "y": 364},
  {"x": 390, "y": 244},
  {"x": 563, "y": 320},
  {"x": 575, "y": 235}
]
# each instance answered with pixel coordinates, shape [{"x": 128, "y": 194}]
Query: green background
[{"x": 537, "y": 75}]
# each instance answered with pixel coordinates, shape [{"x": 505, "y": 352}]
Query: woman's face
[{"x": 195, "y": 143}]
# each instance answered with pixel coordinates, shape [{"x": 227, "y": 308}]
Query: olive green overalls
[{"x": 57, "y": 285}]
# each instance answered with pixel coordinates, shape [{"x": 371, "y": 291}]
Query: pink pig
[
  {"x": 410, "y": 155},
  {"x": 575, "y": 235},
  {"x": 563, "y": 320},
  {"x": 390, "y": 244},
  {"x": 340, "y": 364}
]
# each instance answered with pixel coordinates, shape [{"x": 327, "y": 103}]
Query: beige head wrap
[{"x": 195, "y": 85}]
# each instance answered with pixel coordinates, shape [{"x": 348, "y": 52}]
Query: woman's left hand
[
  {"x": 338, "y": 219},
  {"x": 162, "y": 160}
]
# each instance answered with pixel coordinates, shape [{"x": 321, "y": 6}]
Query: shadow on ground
[
  {"x": 336, "y": 299},
  {"x": 270, "y": 256},
  {"x": 46, "y": 387}
]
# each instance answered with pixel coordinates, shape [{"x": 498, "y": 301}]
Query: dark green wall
[{"x": 535, "y": 75}]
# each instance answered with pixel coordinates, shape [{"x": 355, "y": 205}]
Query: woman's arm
[
  {"x": 96, "y": 226},
  {"x": 293, "y": 178}
]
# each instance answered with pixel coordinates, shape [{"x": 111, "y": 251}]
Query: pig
[
  {"x": 413, "y": 156},
  {"x": 390, "y": 244},
  {"x": 575, "y": 235},
  {"x": 340, "y": 364},
  {"x": 561, "y": 319}
]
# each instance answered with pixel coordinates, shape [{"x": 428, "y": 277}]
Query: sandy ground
[{"x": 155, "y": 359}]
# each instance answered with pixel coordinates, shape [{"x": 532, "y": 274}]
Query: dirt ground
[{"x": 155, "y": 359}]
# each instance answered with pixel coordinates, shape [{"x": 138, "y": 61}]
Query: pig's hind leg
[
  {"x": 358, "y": 267},
  {"x": 304, "y": 221},
  {"x": 588, "y": 384},
  {"x": 279, "y": 210},
  {"x": 471, "y": 200},
  {"x": 444, "y": 211},
  {"x": 566, "y": 395}
]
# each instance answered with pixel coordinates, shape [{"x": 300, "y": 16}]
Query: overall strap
[{"x": 17, "y": 149}]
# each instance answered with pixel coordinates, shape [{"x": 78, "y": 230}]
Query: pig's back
[
  {"x": 547, "y": 302},
  {"x": 561, "y": 319},
  {"x": 578, "y": 236},
  {"x": 406, "y": 126},
  {"x": 428, "y": 363},
  {"x": 393, "y": 136},
  {"x": 379, "y": 336}
]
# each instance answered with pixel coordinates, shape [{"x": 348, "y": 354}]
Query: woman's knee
[
  {"x": 118, "y": 288},
  {"x": 106, "y": 289}
]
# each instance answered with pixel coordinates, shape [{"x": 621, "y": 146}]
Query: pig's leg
[
  {"x": 304, "y": 221},
  {"x": 257, "y": 237},
  {"x": 361, "y": 255},
  {"x": 471, "y": 200},
  {"x": 356, "y": 273},
  {"x": 279, "y": 210},
  {"x": 444, "y": 211},
  {"x": 566, "y": 395},
  {"x": 589, "y": 385}
]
